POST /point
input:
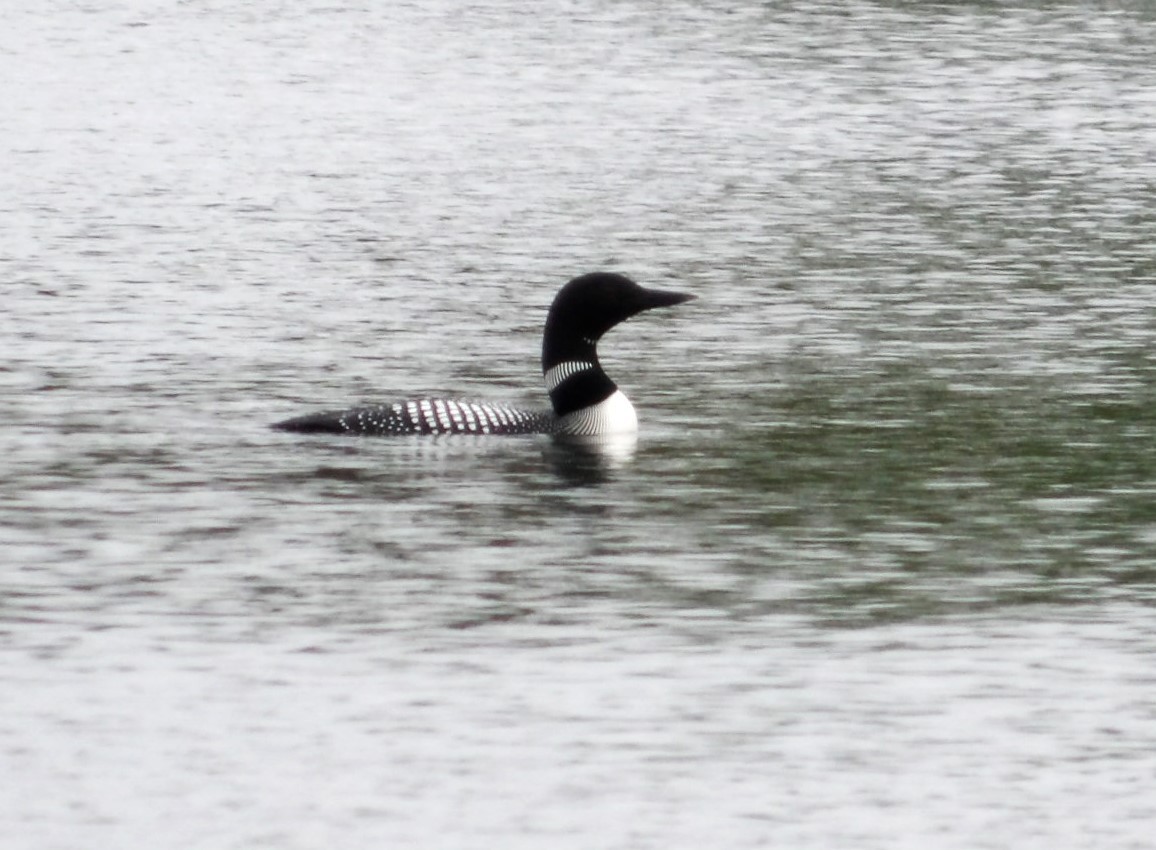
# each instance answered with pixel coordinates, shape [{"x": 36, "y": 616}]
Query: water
[{"x": 878, "y": 574}]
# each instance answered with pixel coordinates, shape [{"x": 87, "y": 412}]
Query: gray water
[{"x": 879, "y": 572}]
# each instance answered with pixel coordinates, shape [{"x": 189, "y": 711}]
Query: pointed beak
[{"x": 652, "y": 298}]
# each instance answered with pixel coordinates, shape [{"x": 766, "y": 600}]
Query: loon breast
[{"x": 614, "y": 415}]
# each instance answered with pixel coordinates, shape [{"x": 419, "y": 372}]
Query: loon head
[{"x": 583, "y": 310}]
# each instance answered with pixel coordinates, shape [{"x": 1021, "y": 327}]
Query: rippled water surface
[{"x": 879, "y": 572}]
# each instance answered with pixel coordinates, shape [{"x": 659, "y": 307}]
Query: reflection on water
[
  {"x": 590, "y": 460},
  {"x": 876, "y": 572}
]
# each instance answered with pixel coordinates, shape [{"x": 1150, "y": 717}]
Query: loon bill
[{"x": 585, "y": 402}]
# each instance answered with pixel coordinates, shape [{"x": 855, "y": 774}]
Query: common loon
[{"x": 585, "y": 401}]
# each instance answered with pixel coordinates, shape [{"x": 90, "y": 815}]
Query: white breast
[{"x": 615, "y": 415}]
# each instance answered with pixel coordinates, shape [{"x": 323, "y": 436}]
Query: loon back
[
  {"x": 424, "y": 416},
  {"x": 585, "y": 402}
]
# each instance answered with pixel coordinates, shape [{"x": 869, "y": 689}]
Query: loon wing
[{"x": 424, "y": 416}]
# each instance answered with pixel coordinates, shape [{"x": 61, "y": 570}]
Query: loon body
[{"x": 584, "y": 401}]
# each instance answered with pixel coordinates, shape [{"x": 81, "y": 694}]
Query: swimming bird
[{"x": 585, "y": 402}]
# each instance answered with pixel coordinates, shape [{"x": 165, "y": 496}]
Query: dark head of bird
[{"x": 590, "y": 305}]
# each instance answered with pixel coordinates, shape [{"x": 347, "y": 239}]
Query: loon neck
[
  {"x": 574, "y": 384},
  {"x": 570, "y": 368}
]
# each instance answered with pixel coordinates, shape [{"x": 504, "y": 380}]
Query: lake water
[{"x": 880, "y": 571}]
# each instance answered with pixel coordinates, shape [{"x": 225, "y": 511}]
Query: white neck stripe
[{"x": 557, "y": 374}]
